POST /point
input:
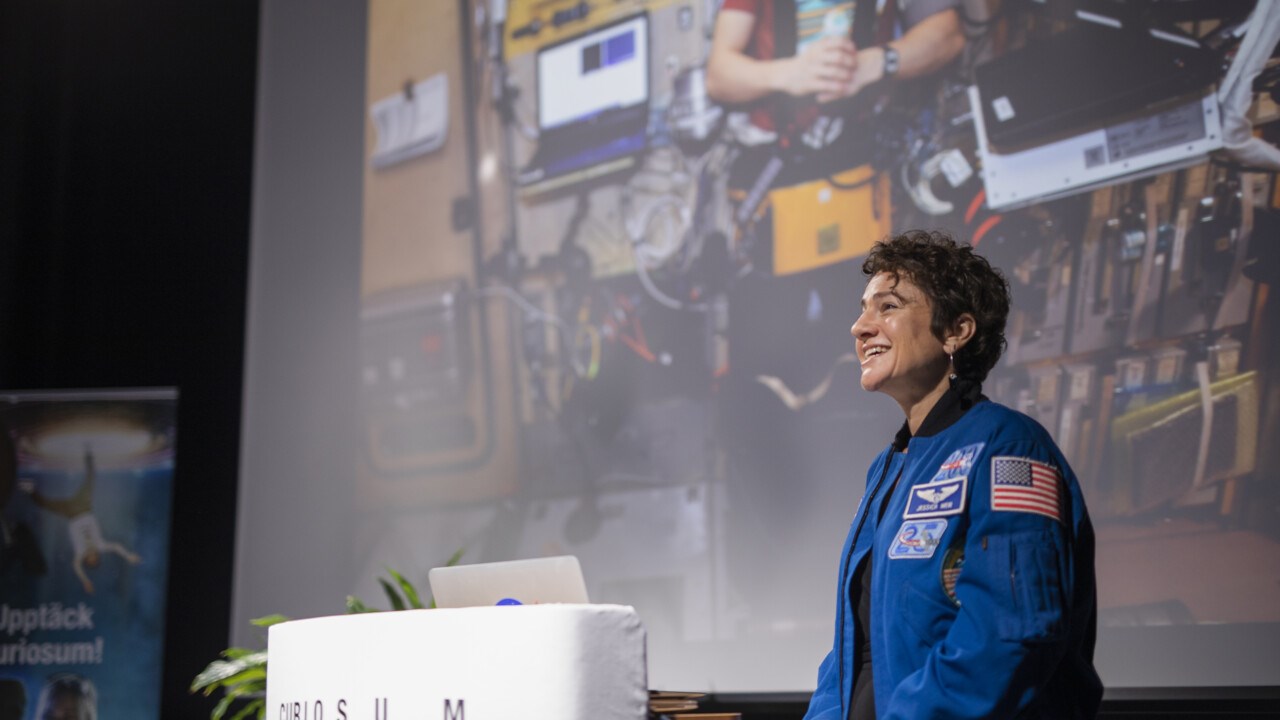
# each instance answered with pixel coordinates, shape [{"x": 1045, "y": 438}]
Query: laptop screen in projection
[{"x": 602, "y": 70}]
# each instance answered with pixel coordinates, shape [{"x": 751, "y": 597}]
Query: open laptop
[
  {"x": 593, "y": 103},
  {"x": 529, "y": 582},
  {"x": 1086, "y": 77}
]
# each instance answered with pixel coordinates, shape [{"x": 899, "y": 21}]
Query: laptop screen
[
  {"x": 605, "y": 69},
  {"x": 530, "y": 582}
]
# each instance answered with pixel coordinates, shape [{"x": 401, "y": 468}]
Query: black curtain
[{"x": 126, "y": 140}]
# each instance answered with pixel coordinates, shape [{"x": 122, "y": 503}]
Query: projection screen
[{"x": 479, "y": 325}]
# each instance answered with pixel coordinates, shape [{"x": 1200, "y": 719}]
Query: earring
[{"x": 951, "y": 360}]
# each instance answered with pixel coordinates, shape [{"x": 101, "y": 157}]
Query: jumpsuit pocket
[
  {"x": 1033, "y": 600},
  {"x": 927, "y": 612}
]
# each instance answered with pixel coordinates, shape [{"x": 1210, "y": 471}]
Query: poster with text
[{"x": 86, "y": 482}]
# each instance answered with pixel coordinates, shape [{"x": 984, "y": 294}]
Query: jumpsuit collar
[{"x": 954, "y": 403}]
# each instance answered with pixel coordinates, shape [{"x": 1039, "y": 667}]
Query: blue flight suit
[{"x": 983, "y": 602}]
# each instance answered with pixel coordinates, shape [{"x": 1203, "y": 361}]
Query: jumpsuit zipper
[{"x": 844, "y": 573}]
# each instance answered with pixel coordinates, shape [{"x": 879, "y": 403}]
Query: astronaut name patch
[
  {"x": 937, "y": 498},
  {"x": 917, "y": 539}
]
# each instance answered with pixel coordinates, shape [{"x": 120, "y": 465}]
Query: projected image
[{"x": 618, "y": 326}]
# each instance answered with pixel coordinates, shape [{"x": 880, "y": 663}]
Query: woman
[{"x": 966, "y": 583}]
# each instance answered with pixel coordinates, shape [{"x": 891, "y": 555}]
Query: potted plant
[{"x": 241, "y": 673}]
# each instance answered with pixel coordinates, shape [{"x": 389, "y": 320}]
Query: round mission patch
[{"x": 952, "y": 563}]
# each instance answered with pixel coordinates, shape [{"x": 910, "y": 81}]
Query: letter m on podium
[{"x": 451, "y": 714}]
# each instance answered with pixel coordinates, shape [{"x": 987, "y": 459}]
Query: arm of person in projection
[
  {"x": 1013, "y": 623},
  {"x": 925, "y": 47},
  {"x": 733, "y": 76}
]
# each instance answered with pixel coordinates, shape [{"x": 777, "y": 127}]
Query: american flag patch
[{"x": 1024, "y": 485}]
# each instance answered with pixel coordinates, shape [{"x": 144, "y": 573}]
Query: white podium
[{"x": 528, "y": 662}]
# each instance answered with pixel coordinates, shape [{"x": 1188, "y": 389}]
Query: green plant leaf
[
  {"x": 220, "y": 671},
  {"x": 235, "y": 653},
  {"x": 356, "y": 605},
  {"x": 220, "y": 709},
  {"x": 253, "y": 680},
  {"x": 406, "y": 587},
  {"x": 397, "y": 603},
  {"x": 254, "y": 707},
  {"x": 269, "y": 620}
]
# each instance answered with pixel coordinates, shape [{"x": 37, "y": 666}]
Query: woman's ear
[{"x": 962, "y": 331}]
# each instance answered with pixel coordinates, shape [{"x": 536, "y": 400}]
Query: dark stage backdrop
[{"x": 126, "y": 135}]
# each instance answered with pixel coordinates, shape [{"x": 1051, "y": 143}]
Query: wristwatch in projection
[{"x": 890, "y": 61}]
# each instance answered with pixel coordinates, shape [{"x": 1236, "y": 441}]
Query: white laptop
[{"x": 527, "y": 582}]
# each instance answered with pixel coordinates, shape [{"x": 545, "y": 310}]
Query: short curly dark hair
[{"x": 956, "y": 280}]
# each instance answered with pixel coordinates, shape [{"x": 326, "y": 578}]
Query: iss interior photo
[{"x": 538, "y": 278}]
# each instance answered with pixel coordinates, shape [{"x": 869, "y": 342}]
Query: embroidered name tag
[
  {"x": 917, "y": 539},
  {"x": 937, "y": 499}
]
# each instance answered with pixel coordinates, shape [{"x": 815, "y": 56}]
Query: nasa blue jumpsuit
[{"x": 982, "y": 597}]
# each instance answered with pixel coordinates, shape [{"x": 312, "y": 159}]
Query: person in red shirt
[{"x": 744, "y": 65}]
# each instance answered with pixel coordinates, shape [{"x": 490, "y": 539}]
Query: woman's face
[{"x": 897, "y": 350}]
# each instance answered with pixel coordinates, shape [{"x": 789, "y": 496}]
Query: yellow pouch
[{"x": 817, "y": 223}]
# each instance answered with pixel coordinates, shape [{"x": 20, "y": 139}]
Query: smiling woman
[
  {"x": 897, "y": 349},
  {"x": 956, "y": 282},
  {"x": 993, "y": 614}
]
